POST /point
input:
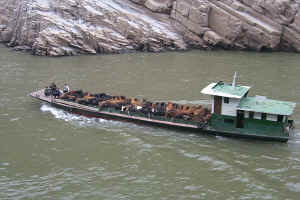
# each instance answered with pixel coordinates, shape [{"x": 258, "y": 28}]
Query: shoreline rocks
[{"x": 71, "y": 27}]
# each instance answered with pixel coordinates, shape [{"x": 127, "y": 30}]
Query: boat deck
[{"x": 94, "y": 111}]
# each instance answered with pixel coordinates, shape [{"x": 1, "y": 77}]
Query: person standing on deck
[
  {"x": 53, "y": 86},
  {"x": 66, "y": 88}
]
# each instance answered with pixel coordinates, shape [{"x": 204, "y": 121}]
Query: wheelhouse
[{"x": 233, "y": 110}]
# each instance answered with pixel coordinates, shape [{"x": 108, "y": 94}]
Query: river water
[{"x": 46, "y": 153}]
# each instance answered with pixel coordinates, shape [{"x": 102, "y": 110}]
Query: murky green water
[{"x": 46, "y": 153}]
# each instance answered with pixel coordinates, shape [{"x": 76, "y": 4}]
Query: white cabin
[
  {"x": 230, "y": 100},
  {"x": 226, "y": 98}
]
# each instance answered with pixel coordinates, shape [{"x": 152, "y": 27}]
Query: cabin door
[
  {"x": 217, "y": 105},
  {"x": 240, "y": 119}
]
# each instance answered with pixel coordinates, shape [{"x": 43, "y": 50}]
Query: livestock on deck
[{"x": 168, "y": 110}]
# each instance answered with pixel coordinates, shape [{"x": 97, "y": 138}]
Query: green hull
[{"x": 251, "y": 128}]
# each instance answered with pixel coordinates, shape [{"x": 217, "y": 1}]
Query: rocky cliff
[{"x": 70, "y": 27}]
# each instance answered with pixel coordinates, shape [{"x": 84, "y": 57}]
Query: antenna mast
[{"x": 234, "y": 80}]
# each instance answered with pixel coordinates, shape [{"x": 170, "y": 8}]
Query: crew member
[
  {"x": 53, "y": 86},
  {"x": 66, "y": 88}
]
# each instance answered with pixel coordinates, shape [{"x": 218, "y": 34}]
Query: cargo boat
[{"x": 232, "y": 113}]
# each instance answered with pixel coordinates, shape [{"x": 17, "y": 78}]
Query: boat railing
[{"x": 154, "y": 117}]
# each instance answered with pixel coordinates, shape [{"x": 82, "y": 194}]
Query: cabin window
[
  {"x": 251, "y": 115},
  {"x": 226, "y": 100},
  {"x": 271, "y": 117},
  {"x": 285, "y": 119},
  {"x": 257, "y": 115},
  {"x": 279, "y": 118},
  {"x": 229, "y": 121},
  {"x": 246, "y": 114},
  {"x": 263, "y": 116}
]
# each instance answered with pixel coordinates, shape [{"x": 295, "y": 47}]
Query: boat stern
[
  {"x": 37, "y": 94},
  {"x": 40, "y": 95}
]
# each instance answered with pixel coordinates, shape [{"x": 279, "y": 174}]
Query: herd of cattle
[{"x": 195, "y": 113}]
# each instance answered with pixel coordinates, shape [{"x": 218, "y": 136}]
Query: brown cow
[
  {"x": 171, "y": 106},
  {"x": 174, "y": 110},
  {"x": 72, "y": 95},
  {"x": 136, "y": 102},
  {"x": 116, "y": 102},
  {"x": 158, "y": 108},
  {"x": 202, "y": 115},
  {"x": 86, "y": 99},
  {"x": 187, "y": 112},
  {"x": 198, "y": 110}
]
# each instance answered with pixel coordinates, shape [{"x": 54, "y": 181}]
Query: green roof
[
  {"x": 227, "y": 90},
  {"x": 264, "y": 105}
]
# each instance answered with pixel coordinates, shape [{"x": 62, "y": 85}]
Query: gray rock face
[
  {"x": 70, "y": 27},
  {"x": 241, "y": 24},
  {"x": 162, "y": 6}
]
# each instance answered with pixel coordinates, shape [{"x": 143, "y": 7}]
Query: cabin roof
[
  {"x": 225, "y": 90},
  {"x": 264, "y": 105}
]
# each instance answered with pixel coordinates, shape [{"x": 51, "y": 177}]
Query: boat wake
[
  {"x": 59, "y": 114},
  {"x": 295, "y": 138},
  {"x": 103, "y": 124},
  {"x": 82, "y": 121}
]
